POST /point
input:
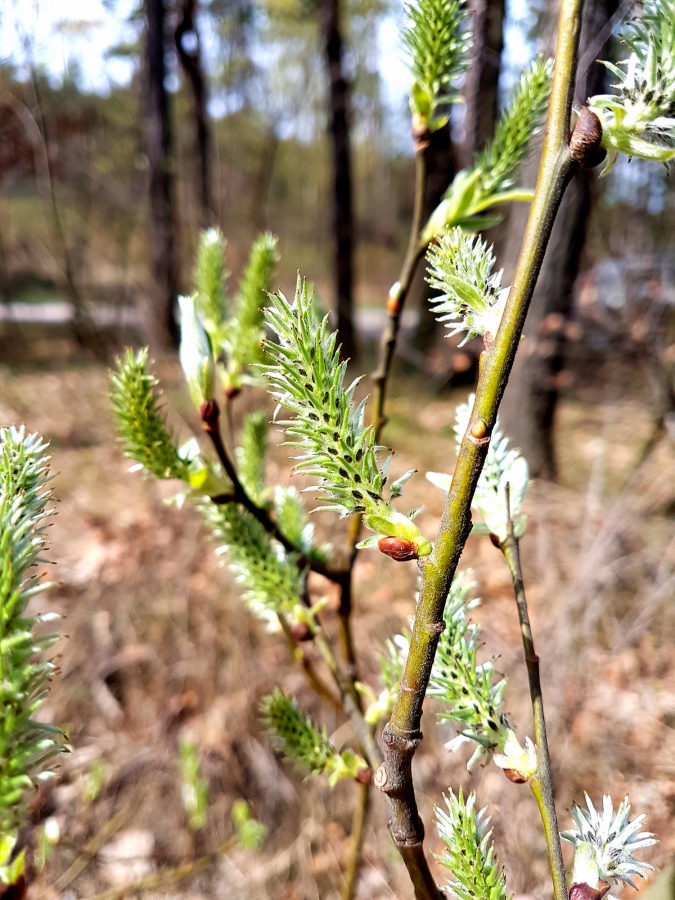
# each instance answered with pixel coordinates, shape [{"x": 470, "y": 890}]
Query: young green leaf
[
  {"x": 639, "y": 120},
  {"x": 472, "y": 297},
  {"x": 307, "y": 377},
  {"x": 271, "y": 578},
  {"x": 26, "y": 746},
  {"x": 299, "y": 741},
  {"x": 140, "y": 419},
  {"x": 469, "y": 853},
  {"x": 466, "y": 689},
  {"x": 196, "y": 354},
  {"x": 604, "y": 843},
  {"x": 244, "y": 330},
  {"x": 438, "y": 40},
  {"x": 251, "y": 455},
  {"x": 489, "y": 182},
  {"x": 211, "y": 282}
]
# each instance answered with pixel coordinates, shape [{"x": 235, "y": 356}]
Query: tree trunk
[
  {"x": 482, "y": 82},
  {"x": 343, "y": 216},
  {"x": 529, "y": 406},
  {"x": 160, "y": 158},
  {"x": 189, "y": 53}
]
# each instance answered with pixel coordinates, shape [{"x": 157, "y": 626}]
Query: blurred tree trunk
[
  {"x": 441, "y": 168},
  {"x": 482, "y": 83},
  {"x": 529, "y": 407},
  {"x": 189, "y": 52},
  {"x": 160, "y": 158},
  {"x": 343, "y": 216}
]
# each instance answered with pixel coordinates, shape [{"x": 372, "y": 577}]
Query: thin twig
[
  {"x": 211, "y": 425},
  {"x": 541, "y": 783},
  {"x": 320, "y": 688},
  {"x": 399, "y": 292},
  {"x": 358, "y": 832},
  {"x": 402, "y": 735}
]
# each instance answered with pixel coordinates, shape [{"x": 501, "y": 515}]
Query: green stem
[
  {"x": 541, "y": 783},
  {"x": 358, "y": 832},
  {"x": 403, "y": 734},
  {"x": 398, "y": 294}
]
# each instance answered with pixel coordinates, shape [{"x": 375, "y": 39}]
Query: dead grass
[{"x": 159, "y": 644}]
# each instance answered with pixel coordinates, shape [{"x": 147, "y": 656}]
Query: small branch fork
[
  {"x": 541, "y": 783},
  {"x": 402, "y": 734},
  {"x": 210, "y": 413},
  {"x": 349, "y": 699}
]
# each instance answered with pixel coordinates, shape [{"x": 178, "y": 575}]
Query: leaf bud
[
  {"x": 397, "y": 548},
  {"x": 195, "y": 354},
  {"x": 585, "y": 143}
]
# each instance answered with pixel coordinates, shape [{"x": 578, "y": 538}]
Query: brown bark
[
  {"x": 530, "y": 401},
  {"x": 190, "y": 56},
  {"x": 160, "y": 158},
  {"x": 339, "y": 126}
]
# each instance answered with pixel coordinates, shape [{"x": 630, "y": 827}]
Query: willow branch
[
  {"x": 399, "y": 291},
  {"x": 402, "y": 734},
  {"x": 542, "y": 782},
  {"x": 211, "y": 425},
  {"x": 358, "y": 832}
]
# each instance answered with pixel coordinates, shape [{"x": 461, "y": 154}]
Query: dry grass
[{"x": 159, "y": 644}]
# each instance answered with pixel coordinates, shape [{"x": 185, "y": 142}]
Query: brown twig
[
  {"x": 211, "y": 423},
  {"x": 399, "y": 291},
  {"x": 542, "y": 782},
  {"x": 358, "y": 832}
]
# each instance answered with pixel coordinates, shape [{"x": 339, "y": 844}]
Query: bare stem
[
  {"x": 399, "y": 292},
  {"x": 403, "y": 733},
  {"x": 358, "y": 832},
  {"x": 542, "y": 782}
]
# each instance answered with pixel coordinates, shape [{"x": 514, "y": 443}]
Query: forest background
[{"x": 115, "y": 150}]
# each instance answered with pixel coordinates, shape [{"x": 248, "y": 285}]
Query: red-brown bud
[
  {"x": 584, "y": 891},
  {"x": 514, "y": 776},
  {"x": 364, "y": 776},
  {"x": 393, "y": 304},
  {"x": 210, "y": 413},
  {"x": 399, "y": 549},
  {"x": 585, "y": 143},
  {"x": 231, "y": 392},
  {"x": 16, "y": 891},
  {"x": 300, "y": 631}
]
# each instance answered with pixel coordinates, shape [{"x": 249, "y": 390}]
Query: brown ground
[{"x": 160, "y": 645}]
